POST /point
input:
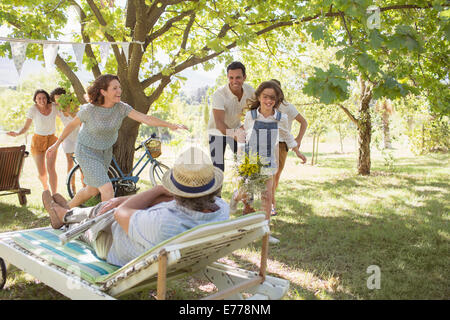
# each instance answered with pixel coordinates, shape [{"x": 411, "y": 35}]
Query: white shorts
[{"x": 69, "y": 145}]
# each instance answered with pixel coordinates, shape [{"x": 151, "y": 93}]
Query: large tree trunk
[
  {"x": 364, "y": 130},
  {"x": 125, "y": 145}
]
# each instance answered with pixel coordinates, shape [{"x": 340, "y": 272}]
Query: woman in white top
[
  {"x": 66, "y": 116},
  {"x": 43, "y": 112}
]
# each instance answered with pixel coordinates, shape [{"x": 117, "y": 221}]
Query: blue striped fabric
[{"x": 76, "y": 255}]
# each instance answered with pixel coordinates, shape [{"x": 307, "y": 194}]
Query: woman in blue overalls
[{"x": 263, "y": 126}]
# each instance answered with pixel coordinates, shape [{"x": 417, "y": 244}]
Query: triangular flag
[
  {"x": 125, "y": 47},
  {"x": 18, "y": 51},
  {"x": 78, "y": 11},
  {"x": 50, "y": 52},
  {"x": 78, "y": 49},
  {"x": 104, "y": 52}
]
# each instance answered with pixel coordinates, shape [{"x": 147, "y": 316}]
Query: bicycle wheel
[
  {"x": 74, "y": 180},
  {"x": 157, "y": 171}
]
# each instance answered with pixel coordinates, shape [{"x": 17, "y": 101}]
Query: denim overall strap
[
  {"x": 262, "y": 140},
  {"x": 254, "y": 114},
  {"x": 277, "y": 115}
]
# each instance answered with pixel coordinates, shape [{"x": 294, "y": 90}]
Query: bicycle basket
[{"x": 154, "y": 147}]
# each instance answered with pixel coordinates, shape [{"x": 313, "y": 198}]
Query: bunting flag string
[
  {"x": 78, "y": 50},
  {"x": 18, "y": 51},
  {"x": 51, "y": 47},
  {"x": 50, "y": 52}
]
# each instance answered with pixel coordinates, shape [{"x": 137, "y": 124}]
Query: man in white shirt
[
  {"x": 292, "y": 114},
  {"x": 225, "y": 118}
]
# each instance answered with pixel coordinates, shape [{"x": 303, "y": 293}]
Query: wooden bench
[{"x": 11, "y": 163}]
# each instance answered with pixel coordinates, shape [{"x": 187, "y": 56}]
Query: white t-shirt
[
  {"x": 284, "y": 134},
  {"x": 224, "y": 99},
  {"x": 43, "y": 125},
  {"x": 66, "y": 120},
  {"x": 291, "y": 112}
]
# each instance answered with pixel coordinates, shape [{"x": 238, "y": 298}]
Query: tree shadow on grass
[
  {"x": 19, "y": 285},
  {"x": 405, "y": 238},
  {"x": 20, "y": 217}
]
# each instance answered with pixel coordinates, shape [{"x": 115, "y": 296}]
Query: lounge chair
[
  {"x": 75, "y": 271},
  {"x": 11, "y": 163}
]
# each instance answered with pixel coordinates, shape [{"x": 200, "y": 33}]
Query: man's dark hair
[
  {"x": 236, "y": 65},
  {"x": 56, "y": 92},
  {"x": 199, "y": 204}
]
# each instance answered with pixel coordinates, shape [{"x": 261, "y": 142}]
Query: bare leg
[
  {"x": 267, "y": 196},
  {"x": 53, "y": 177},
  {"x": 106, "y": 191},
  {"x": 82, "y": 196},
  {"x": 276, "y": 180},
  {"x": 39, "y": 159}
]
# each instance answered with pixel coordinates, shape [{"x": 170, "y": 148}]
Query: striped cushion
[{"x": 75, "y": 256}]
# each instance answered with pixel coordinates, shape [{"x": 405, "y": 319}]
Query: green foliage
[
  {"x": 328, "y": 86},
  {"x": 433, "y": 135},
  {"x": 13, "y": 108},
  {"x": 68, "y": 102}
]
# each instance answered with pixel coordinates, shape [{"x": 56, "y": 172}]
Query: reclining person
[{"x": 186, "y": 199}]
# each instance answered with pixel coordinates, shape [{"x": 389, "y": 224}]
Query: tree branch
[
  {"x": 350, "y": 115},
  {"x": 346, "y": 28},
  {"x": 166, "y": 27},
  {"x": 120, "y": 58},
  {"x": 76, "y": 83},
  {"x": 88, "y": 48},
  {"x": 187, "y": 31}
]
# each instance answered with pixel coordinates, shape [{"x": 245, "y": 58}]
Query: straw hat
[{"x": 193, "y": 175}]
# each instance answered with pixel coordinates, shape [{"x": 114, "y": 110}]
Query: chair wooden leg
[
  {"x": 162, "y": 273},
  {"x": 22, "y": 198},
  {"x": 264, "y": 254}
]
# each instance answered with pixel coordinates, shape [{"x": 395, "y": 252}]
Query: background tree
[
  {"x": 176, "y": 35},
  {"x": 385, "y": 108},
  {"x": 388, "y": 62},
  {"x": 408, "y": 50}
]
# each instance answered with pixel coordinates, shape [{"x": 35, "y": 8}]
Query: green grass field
[{"x": 333, "y": 225}]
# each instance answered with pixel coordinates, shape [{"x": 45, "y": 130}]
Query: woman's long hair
[
  {"x": 101, "y": 83},
  {"x": 41, "y": 91},
  {"x": 254, "y": 103}
]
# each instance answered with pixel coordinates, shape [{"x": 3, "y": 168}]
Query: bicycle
[{"x": 127, "y": 182}]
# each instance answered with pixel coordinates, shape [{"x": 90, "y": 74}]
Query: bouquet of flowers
[{"x": 250, "y": 177}]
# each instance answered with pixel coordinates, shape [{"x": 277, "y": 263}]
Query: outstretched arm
[
  {"x": 153, "y": 121},
  {"x": 302, "y": 130},
  {"x": 67, "y": 130},
  {"x": 26, "y": 126},
  {"x": 140, "y": 201}
]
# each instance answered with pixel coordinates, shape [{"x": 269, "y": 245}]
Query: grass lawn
[{"x": 333, "y": 225}]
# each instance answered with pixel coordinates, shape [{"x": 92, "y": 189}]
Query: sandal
[
  {"x": 273, "y": 212},
  {"x": 248, "y": 209},
  {"x": 59, "y": 199},
  {"x": 54, "y": 219}
]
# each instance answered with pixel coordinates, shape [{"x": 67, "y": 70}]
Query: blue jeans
[{"x": 217, "y": 145}]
